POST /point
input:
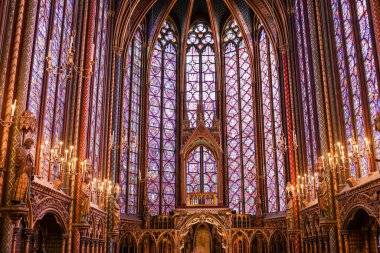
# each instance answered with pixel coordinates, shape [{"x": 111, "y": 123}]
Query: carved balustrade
[{"x": 201, "y": 199}]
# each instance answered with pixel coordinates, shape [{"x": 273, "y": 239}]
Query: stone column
[
  {"x": 326, "y": 240},
  {"x": 315, "y": 244},
  {"x": 346, "y": 242},
  {"x": 28, "y": 233},
  {"x": 259, "y": 243},
  {"x": 63, "y": 241}
]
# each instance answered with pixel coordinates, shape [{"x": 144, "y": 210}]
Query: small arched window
[{"x": 201, "y": 171}]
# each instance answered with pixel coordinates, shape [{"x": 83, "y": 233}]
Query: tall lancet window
[
  {"x": 162, "y": 122},
  {"x": 272, "y": 125},
  {"x": 358, "y": 76},
  {"x": 47, "y": 91},
  {"x": 240, "y": 121},
  {"x": 200, "y": 73},
  {"x": 129, "y": 171},
  {"x": 309, "y": 119},
  {"x": 97, "y": 90}
]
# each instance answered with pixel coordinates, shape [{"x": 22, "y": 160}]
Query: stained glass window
[
  {"x": 346, "y": 16},
  {"x": 240, "y": 121},
  {"x": 201, "y": 171},
  {"x": 308, "y": 98},
  {"x": 97, "y": 100},
  {"x": 129, "y": 172},
  {"x": 200, "y": 73},
  {"x": 272, "y": 125},
  {"x": 162, "y": 122},
  {"x": 47, "y": 92}
]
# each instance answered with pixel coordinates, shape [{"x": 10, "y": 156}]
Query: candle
[
  {"x": 71, "y": 42},
  {"x": 66, "y": 153},
  {"x": 49, "y": 48},
  {"x": 71, "y": 151},
  {"x": 74, "y": 163},
  {"x": 82, "y": 164},
  {"x": 13, "y": 108},
  {"x": 92, "y": 52}
]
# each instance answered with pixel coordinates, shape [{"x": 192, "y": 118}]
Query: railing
[
  {"x": 242, "y": 221},
  {"x": 201, "y": 199}
]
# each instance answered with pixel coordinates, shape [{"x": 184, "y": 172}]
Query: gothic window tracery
[
  {"x": 129, "y": 172},
  {"x": 308, "y": 120},
  {"x": 200, "y": 73},
  {"x": 201, "y": 171},
  {"x": 272, "y": 125},
  {"x": 98, "y": 87},
  {"x": 162, "y": 122},
  {"x": 240, "y": 121},
  {"x": 47, "y": 92},
  {"x": 358, "y": 77}
]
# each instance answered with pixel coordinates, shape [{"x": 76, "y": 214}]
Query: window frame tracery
[
  {"x": 278, "y": 159},
  {"x": 309, "y": 130},
  {"x": 47, "y": 94},
  {"x": 209, "y": 114},
  {"x": 163, "y": 42},
  {"x": 131, "y": 104},
  {"x": 356, "y": 94},
  {"x": 244, "y": 197}
]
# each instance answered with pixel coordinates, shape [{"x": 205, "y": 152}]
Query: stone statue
[
  {"x": 24, "y": 172},
  {"x": 84, "y": 200},
  {"x": 322, "y": 195},
  {"x": 116, "y": 213}
]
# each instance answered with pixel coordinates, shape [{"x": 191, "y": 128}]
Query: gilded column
[
  {"x": 84, "y": 117},
  {"x": 14, "y": 72},
  {"x": 289, "y": 128},
  {"x": 326, "y": 113}
]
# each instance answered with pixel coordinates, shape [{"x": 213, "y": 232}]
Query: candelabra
[
  {"x": 105, "y": 186},
  {"x": 303, "y": 189},
  {"x": 59, "y": 157},
  {"x": 283, "y": 143},
  {"x": 69, "y": 65},
  {"x": 123, "y": 144},
  {"x": 150, "y": 176},
  {"x": 356, "y": 154},
  {"x": 7, "y": 123}
]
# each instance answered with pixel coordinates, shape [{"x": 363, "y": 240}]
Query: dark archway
[
  {"x": 128, "y": 245},
  {"x": 259, "y": 244},
  {"x": 362, "y": 232},
  {"x": 277, "y": 243},
  {"x": 48, "y": 235}
]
